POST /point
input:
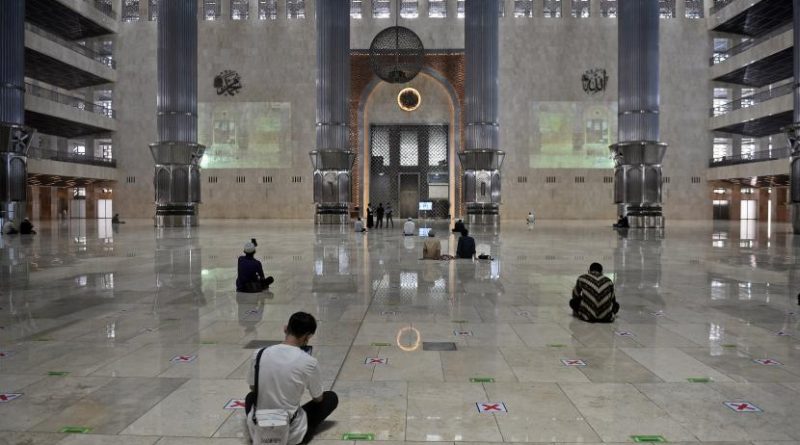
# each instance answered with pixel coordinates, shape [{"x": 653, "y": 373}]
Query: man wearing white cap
[{"x": 250, "y": 277}]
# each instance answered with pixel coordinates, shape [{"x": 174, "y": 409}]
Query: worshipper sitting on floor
[
  {"x": 593, "y": 297},
  {"x": 432, "y": 249},
  {"x": 26, "y": 227},
  {"x": 466, "y": 245},
  {"x": 250, "y": 276},
  {"x": 459, "y": 227},
  {"x": 284, "y": 372},
  {"x": 622, "y": 223},
  {"x": 115, "y": 219},
  {"x": 358, "y": 226},
  {"x": 9, "y": 228},
  {"x": 409, "y": 228}
]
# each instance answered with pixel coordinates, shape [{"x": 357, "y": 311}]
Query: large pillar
[
  {"x": 793, "y": 131},
  {"x": 177, "y": 154},
  {"x": 638, "y": 154},
  {"x": 481, "y": 160},
  {"x": 15, "y": 137},
  {"x": 333, "y": 160}
]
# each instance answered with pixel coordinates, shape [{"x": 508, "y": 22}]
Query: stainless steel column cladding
[
  {"x": 481, "y": 160},
  {"x": 793, "y": 131},
  {"x": 177, "y": 154},
  {"x": 638, "y": 154},
  {"x": 332, "y": 160},
  {"x": 15, "y": 137}
]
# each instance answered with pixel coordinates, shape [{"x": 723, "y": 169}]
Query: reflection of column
[
  {"x": 15, "y": 137},
  {"x": 333, "y": 159},
  {"x": 638, "y": 154},
  {"x": 793, "y": 131},
  {"x": 481, "y": 159},
  {"x": 637, "y": 264},
  {"x": 177, "y": 154}
]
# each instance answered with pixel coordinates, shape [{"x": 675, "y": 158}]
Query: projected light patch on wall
[
  {"x": 245, "y": 134},
  {"x": 572, "y": 134}
]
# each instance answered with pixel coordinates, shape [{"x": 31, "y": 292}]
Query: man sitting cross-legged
[{"x": 593, "y": 297}]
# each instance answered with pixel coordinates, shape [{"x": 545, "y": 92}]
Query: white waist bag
[{"x": 267, "y": 426}]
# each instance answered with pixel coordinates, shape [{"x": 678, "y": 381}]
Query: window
[
  {"x": 437, "y": 147},
  {"x": 460, "y": 9},
  {"x": 211, "y": 9},
  {"x": 79, "y": 192},
  {"x": 409, "y": 9},
  {"x": 240, "y": 9},
  {"x": 694, "y": 9},
  {"x": 130, "y": 10},
  {"x": 580, "y": 8},
  {"x": 355, "y": 9},
  {"x": 152, "y": 10},
  {"x": 721, "y": 49},
  {"x": 722, "y": 148},
  {"x": 667, "y": 8},
  {"x": 748, "y": 148},
  {"x": 295, "y": 9},
  {"x": 747, "y": 97},
  {"x": 78, "y": 148},
  {"x": 552, "y": 8},
  {"x": 437, "y": 9},
  {"x": 722, "y": 97},
  {"x": 409, "y": 149},
  {"x": 608, "y": 8},
  {"x": 381, "y": 9},
  {"x": 267, "y": 9},
  {"x": 106, "y": 150},
  {"x": 523, "y": 8}
]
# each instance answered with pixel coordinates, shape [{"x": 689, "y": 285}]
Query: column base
[
  {"x": 796, "y": 217},
  {"x": 479, "y": 214},
  {"x": 644, "y": 217},
  {"x": 333, "y": 214},
  {"x": 176, "y": 216},
  {"x": 12, "y": 211}
]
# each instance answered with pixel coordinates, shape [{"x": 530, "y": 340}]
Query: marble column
[
  {"x": 481, "y": 159},
  {"x": 15, "y": 137},
  {"x": 177, "y": 154},
  {"x": 638, "y": 154},
  {"x": 793, "y": 131},
  {"x": 332, "y": 160}
]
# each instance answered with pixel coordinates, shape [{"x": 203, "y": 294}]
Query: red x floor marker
[
  {"x": 183, "y": 358},
  {"x": 6, "y": 354},
  {"x": 462, "y": 333},
  {"x": 376, "y": 361},
  {"x": 491, "y": 407},
  {"x": 235, "y": 404},
  {"x": 624, "y": 333},
  {"x": 573, "y": 362},
  {"x": 9, "y": 396},
  {"x": 743, "y": 407},
  {"x": 767, "y": 362}
]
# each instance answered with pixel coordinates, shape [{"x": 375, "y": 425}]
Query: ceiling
[
  {"x": 57, "y": 18},
  {"x": 761, "y": 18},
  {"x": 60, "y": 127},
  {"x": 763, "y": 72},
  {"x": 55, "y": 72},
  {"x": 765, "y": 126},
  {"x": 63, "y": 181}
]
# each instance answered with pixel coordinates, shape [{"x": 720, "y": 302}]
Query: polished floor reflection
[{"x": 131, "y": 335}]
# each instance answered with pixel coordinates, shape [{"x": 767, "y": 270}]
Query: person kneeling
[
  {"x": 250, "y": 276},
  {"x": 593, "y": 297},
  {"x": 285, "y": 372}
]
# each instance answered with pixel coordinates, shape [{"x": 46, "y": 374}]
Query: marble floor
[{"x": 135, "y": 336}]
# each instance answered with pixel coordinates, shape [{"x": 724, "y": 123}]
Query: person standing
[
  {"x": 531, "y": 218},
  {"x": 389, "y": 219},
  {"x": 370, "y": 218},
  {"x": 380, "y": 211}
]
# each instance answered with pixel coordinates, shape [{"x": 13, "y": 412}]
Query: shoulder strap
[{"x": 255, "y": 390}]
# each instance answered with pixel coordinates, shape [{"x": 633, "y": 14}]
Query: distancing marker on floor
[
  {"x": 183, "y": 358},
  {"x": 698, "y": 380},
  {"x": 523, "y": 313},
  {"x": 743, "y": 407},
  {"x": 9, "y": 396},
  {"x": 729, "y": 345},
  {"x": 6, "y": 354},
  {"x": 42, "y": 339},
  {"x": 235, "y": 404},
  {"x": 648, "y": 439},
  {"x": 783, "y": 334},
  {"x": 58, "y": 373},
  {"x": 75, "y": 429},
  {"x": 573, "y": 362},
  {"x": 491, "y": 407},
  {"x": 657, "y": 313},
  {"x": 208, "y": 342},
  {"x": 358, "y": 436},
  {"x": 253, "y": 312},
  {"x": 379, "y": 344},
  {"x": 376, "y": 361},
  {"x": 460, "y": 321},
  {"x": 481, "y": 379},
  {"x": 556, "y": 345},
  {"x": 624, "y": 333},
  {"x": 767, "y": 362},
  {"x": 389, "y": 313},
  {"x": 458, "y": 333}
]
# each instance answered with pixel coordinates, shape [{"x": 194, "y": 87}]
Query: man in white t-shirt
[
  {"x": 285, "y": 372},
  {"x": 409, "y": 229}
]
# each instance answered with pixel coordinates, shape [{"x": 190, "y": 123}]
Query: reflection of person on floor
[
  {"x": 389, "y": 211},
  {"x": 370, "y": 218},
  {"x": 409, "y": 228},
  {"x": 9, "y": 228},
  {"x": 115, "y": 219},
  {"x": 285, "y": 372},
  {"x": 251, "y": 309},
  {"x": 250, "y": 276},
  {"x": 379, "y": 213},
  {"x": 459, "y": 227},
  {"x": 358, "y": 226},
  {"x": 593, "y": 297},
  {"x": 531, "y": 218},
  {"x": 432, "y": 249},
  {"x": 26, "y": 227},
  {"x": 466, "y": 245}
]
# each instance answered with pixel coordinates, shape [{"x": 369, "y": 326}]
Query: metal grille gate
[{"x": 397, "y": 153}]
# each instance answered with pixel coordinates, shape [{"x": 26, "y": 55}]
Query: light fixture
[{"x": 409, "y": 99}]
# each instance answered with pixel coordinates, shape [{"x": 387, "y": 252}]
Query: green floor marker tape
[
  {"x": 460, "y": 321},
  {"x": 43, "y": 339},
  {"x": 58, "y": 373},
  {"x": 358, "y": 436},
  {"x": 728, "y": 346},
  {"x": 481, "y": 380},
  {"x": 208, "y": 342},
  {"x": 646, "y": 439},
  {"x": 556, "y": 345},
  {"x": 699, "y": 380},
  {"x": 75, "y": 429},
  {"x": 381, "y": 344}
]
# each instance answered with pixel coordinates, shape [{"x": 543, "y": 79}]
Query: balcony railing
[
  {"x": 719, "y": 5},
  {"x": 752, "y": 100},
  {"x": 63, "y": 156},
  {"x": 80, "y": 49},
  {"x": 756, "y": 156},
  {"x": 104, "y": 6},
  {"x": 66, "y": 99},
  {"x": 722, "y": 56}
]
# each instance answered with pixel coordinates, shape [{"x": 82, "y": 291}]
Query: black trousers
[{"x": 317, "y": 412}]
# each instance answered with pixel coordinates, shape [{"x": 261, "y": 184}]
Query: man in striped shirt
[{"x": 593, "y": 297}]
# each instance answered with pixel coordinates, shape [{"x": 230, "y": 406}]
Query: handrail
[
  {"x": 80, "y": 49},
  {"x": 719, "y": 5},
  {"x": 756, "y": 156},
  {"x": 754, "y": 99},
  {"x": 64, "y": 156},
  {"x": 72, "y": 101},
  {"x": 744, "y": 46}
]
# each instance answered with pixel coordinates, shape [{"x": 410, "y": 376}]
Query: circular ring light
[
  {"x": 414, "y": 345},
  {"x": 409, "y": 99}
]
